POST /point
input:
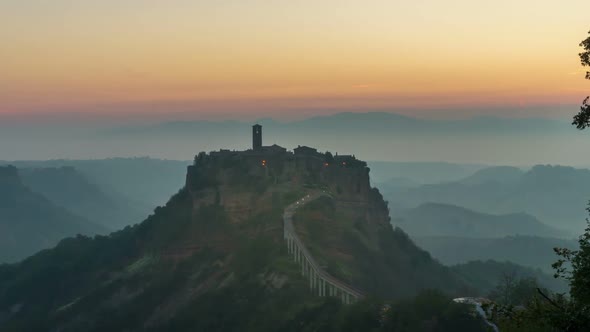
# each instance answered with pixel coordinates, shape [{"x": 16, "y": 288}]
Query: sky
[{"x": 290, "y": 58}]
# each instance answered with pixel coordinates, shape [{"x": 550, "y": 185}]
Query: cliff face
[
  {"x": 350, "y": 232},
  {"x": 237, "y": 180}
]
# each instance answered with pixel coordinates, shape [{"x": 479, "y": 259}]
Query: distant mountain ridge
[
  {"x": 368, "y": 121},
  {"x": 68, "y": 188},
  {"x": 436, "y": 219},
  {"x": 531, "y": 251},
  {"x": 501, "y": 174},
  {"x": 371, "y": 135},
  {"x": 488, "y": 274},
  {"x": 29, "y": 222},
  {"x": 146, "y": 182},
  {"x": 414, "y": 174},
  {"x": 556, "y": 195}
]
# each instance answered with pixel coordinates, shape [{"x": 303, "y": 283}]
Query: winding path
[{"x": 319, "y": 280}]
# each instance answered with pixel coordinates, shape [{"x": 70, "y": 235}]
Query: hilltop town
[{"x": 344, "y": 175}]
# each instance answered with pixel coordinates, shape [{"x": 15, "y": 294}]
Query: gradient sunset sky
[{"x": 280, "y": 58}]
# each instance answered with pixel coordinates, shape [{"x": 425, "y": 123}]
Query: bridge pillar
[
  {"x": 316, "y": 282},
  {"x": 288, "y": 245},
  {"x": 303, "y": 268},
  {"x": 318, "y": 285}
]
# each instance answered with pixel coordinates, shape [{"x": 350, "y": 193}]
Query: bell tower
[{"x": 257, "y": 137}]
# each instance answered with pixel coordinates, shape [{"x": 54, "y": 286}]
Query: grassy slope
[
  {"x": 129, "y": 278},
  {"x": 378, "y": 260},
  {"x": 144, "y": 278}
]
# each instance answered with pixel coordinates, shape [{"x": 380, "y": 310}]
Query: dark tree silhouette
[
  {"x": 573, "y": 314},
  {"x": 579, "y": 260},
  {"x": 558, "y": 312},
  {"x": 582, "y": 119}
]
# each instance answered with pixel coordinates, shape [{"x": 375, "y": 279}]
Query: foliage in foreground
[{"x": 522, "y": 309}]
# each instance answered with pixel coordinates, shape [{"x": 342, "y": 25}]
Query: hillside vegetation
[
  {"x": 213, "y": 258},
  {"x": 349, "y": 246}
]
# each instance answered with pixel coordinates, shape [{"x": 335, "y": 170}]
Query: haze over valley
[{"x": 294, "y": 166}]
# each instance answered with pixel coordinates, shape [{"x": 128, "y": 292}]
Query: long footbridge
[{"x": 320, "y": 281}]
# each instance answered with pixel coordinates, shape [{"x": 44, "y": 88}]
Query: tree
[
  {"x": 582, "y": 119},
  {"x": 574, "y": 266},
  {"x": 514, "y": 291},
  {"x": 579, "y": 260},
  {"x": 558, "y": 312},
  {"x": 573, "y": 313}
]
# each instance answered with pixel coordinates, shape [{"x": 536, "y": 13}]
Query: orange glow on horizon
[{"x": 334, "y": 54}]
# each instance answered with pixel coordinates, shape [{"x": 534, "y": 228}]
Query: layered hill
[
  {"x": 419, "y": 173},
  {"x": 498, "y": 174},
  {"x": 434, "y": 219},
  {"x": 68, "y": 188},
  {"x": 30, "y": 222},
  {"x": 377, "y": 135},
  {"x": 487, "y": 275},
  {"x": 531, "y": 251},
  {"x": 214, "y": 257},
  {"x": 554, "y": 194},
  {"x": 144, "y": 182}
]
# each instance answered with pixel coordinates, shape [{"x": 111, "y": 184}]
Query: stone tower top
[{"x": 256, "y": 137}]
